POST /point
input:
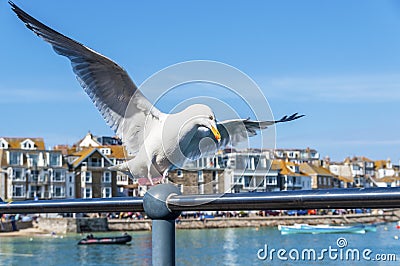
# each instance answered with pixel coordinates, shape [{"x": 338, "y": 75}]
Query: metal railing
[
  {"x": 163, "y": 204},
  {"x": 282, "y": 200}
]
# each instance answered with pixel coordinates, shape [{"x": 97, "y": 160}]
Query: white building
[{"x": 29, "y": 171}]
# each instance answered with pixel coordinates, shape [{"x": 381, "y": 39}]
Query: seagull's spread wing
[
  {"x": 232, "y": 132},
  {"x": 106, "y": 83}
]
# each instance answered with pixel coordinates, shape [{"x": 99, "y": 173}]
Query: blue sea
[{"x": 232, "y": 246}]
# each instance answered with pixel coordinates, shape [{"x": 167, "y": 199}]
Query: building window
[
  {"x": 250, "y": 163},
  {"x": 122, "y": 178},
  {"x": 200, "y": 176},
  {"x": 3, "y": 144},
  {"x": 35, "y": 191},
  {"x": 180, "y": 187},
  {"x": 106, "y": 192},
  {"x": 18, "y": 191},
  {"x": 87, "y": 176},
  {"x": 271, "y": 180},
  {"x": 34, "y": 175},
  {"x": 247, "y": 181},
  {"x": 28, "y": 145},
  {"x": 58, "y": 175},
  {"x": 33, "y": 159},
  {"x": 105, "y": 151},
  {"x": 58, "y": 191},
  {"x": 106, "y": 177},
  {"x": 18, "y": 174},
  {"x": 179, "y": 173},
  {"x": 15, "y": 158},
  {"x": 87, "y": 192},
  {"x": 70, "y": 191},
  {"x": 55, "y": 159}
]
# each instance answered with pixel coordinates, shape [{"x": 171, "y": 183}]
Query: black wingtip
[
  {"x": 18, "y": 11},
  {"x": 290, "y": 118},
  {"x": 13, "y": 6}
]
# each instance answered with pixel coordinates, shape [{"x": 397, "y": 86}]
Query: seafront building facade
[
  {"x": 29, "y": 171},
  {"x": 298, "y": 156},
  {"x": 112, "y": 153},
  {"x": 239, "y": 171}
]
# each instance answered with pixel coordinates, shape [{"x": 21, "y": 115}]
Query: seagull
[{"x": 158, "y": 141}]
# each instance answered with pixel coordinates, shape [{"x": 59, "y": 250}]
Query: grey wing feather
[
  {"x": 107, "y": 84},
  {"x": 232, "y": 132},
  {"x": 238, "y": 130}
]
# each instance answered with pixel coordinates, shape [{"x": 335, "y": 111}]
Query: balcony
[
  {"x": 58, "y": 178},
  {"x": 16, "y": 179}
]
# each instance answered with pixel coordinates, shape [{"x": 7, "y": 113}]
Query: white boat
[{"x": 323, "y": 229}]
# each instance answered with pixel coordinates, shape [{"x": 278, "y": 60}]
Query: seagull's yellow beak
[{"x": 216, "y": 133}]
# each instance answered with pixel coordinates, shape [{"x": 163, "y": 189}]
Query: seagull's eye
[{"x": 211, "y": 117}]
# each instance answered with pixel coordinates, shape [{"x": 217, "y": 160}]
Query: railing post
[{"x": 163, "y": 224}]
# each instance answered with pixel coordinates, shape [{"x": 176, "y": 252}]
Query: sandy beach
[{"x": 25, "y": 232}]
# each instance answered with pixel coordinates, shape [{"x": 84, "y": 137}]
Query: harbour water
[{"x": 231, "y": 246}]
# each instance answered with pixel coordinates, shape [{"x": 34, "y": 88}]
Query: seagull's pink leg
[{"x": 149, "y": 175}]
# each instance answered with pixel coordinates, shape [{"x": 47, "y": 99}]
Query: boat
[
  {"x": 322, "y": 229},
  {"x": 370, "y": 227},
  {"x": 90, "y": 240}
]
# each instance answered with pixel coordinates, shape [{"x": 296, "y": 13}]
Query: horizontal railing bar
[
  {"x": 289, "y": 200},
  {"x": 282, "y": 200},
  {"x": 74, "y": 206}
]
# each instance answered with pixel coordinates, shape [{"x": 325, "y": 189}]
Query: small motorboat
[
  {"x": 90, "y": 240},
  {"x": 321, "y": 229}
]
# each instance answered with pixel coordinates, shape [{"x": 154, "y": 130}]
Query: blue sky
[{"x": 337, "y": 62}]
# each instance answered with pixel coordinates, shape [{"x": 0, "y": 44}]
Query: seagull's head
[{"x": 203, "y": 116}]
